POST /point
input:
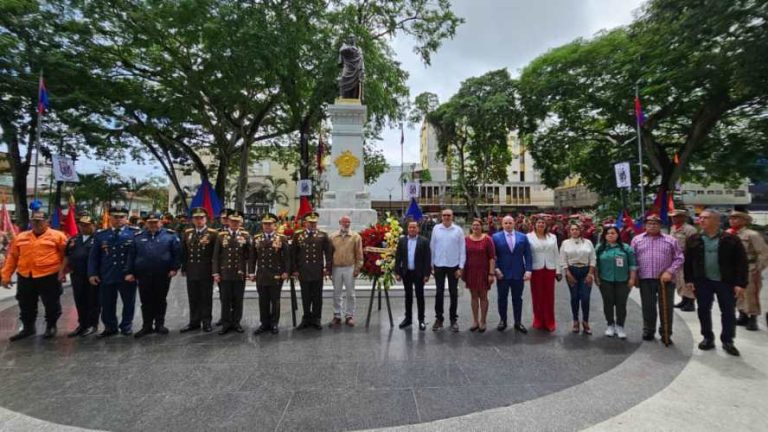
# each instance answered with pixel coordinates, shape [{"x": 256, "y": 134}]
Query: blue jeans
[
  {"x": 504, "y": 286},
  {"x": 108, "y": 299},
  {"x": 580, "y": 292}
]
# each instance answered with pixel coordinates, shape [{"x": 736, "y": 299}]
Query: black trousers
[
  {"x": 441, "y": 273},
  {"x": 200, "y": 294},
  {"x": 269, "y": 305},
  {"x": 706, "y": 290},
  {"x": 86, "y": 300},
  {"x": 410, "y": 281},
  {"x": 153, "y": 290},
  {"x": 231, "y": 293},
  {"x": 651, "y": 298},
  {"x": 312, "y": 300},
  {"x": 47, "y": 289}
]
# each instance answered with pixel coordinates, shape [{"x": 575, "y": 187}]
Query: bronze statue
[{"x": 353, "y": 70}]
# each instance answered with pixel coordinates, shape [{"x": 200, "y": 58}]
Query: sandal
[
  {"x": 575, "y": 328},
  {"x": 587, "y": 329},
  {"x": 474, "y": 328},
  {"x": 481, "y": 329}
]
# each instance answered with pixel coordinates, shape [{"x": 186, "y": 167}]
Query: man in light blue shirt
[{"x": 448, "y": 255}]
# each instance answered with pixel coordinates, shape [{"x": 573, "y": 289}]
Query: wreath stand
[{"x": 374, "y": 285}]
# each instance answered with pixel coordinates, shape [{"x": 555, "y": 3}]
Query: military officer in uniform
[
  {"x": 681, "y": 230},
  {"x": 197, "y": 245},
  {"x": 748, "y": 303},
  {"x": 86, "y": 295},
  {"x": 311, "y": 260},
  {"x": 270, "y": 264},
  {"x": 231, "y": 257},
  {"x": 154, "y": 260},
  {"x": 107, "y": 267},
  {"x": 222, "y": 224}
]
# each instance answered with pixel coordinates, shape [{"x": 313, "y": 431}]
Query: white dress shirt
[
  {"x": 449, "y": 248},
  {"x": 544, "y": 252},
  {"x": 579, "y": 252},
  {"x": 412, "y": 252}
]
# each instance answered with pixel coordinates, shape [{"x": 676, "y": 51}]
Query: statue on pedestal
[{"x": 353, "y": 70}]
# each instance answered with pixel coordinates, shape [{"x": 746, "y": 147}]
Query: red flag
[
  {"x": 304, "y": 208},
  {"x": 5, "y": 221},
  {"x": 69, "y": 225},
  {"x": 639, "y": 115},
  {"x": 677, "y": 159}
]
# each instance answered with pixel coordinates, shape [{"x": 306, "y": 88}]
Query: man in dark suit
[
  {"x": 413, "y": 262},
  {"x": 311, "y": 262},
  {"x": 716, "y": 265},
  {"x": 197, "y": 244},
  {"x": 513, "y": 268}
]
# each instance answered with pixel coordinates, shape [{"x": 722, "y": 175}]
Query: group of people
[{"x": 116, "y": 262}]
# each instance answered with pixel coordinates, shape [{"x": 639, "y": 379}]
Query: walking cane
[
  {"x": 294, "y": 302},
  {"x": 664, "y": 313}
]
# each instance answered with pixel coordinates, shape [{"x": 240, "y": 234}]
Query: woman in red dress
[{"x": 478, "y": 272}]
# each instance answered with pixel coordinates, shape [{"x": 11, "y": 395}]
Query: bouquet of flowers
[{"x": 379, "y": 247}]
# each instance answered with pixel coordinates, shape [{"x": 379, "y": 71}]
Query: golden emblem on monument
[{"x": 347, "y": 164}]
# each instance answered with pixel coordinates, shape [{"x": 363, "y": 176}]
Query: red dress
[{"x": 476, "y": 267}]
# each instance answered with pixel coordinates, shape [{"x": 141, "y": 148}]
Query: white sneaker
[
  {"x": 610, "y": 331},
  {"x": 620, "y": 332}
]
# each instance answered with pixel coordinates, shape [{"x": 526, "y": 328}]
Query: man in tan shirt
[{"x": 347, "y": 261}]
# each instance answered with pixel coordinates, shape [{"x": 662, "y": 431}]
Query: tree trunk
[
  {"x": 19, "y": 171},
  {"x": 242, "y": 178},
  {"x": 221, "y": 177}
]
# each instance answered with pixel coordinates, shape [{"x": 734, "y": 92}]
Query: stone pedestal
[{"x": 346, "y": 194}]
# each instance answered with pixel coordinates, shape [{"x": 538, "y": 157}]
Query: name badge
[{"x": 619, "y": 261}]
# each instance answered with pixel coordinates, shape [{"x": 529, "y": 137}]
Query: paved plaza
[{"x": 352, "y": 379}]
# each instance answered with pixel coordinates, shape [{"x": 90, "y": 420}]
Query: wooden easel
[{"x": 370, "y": 303}]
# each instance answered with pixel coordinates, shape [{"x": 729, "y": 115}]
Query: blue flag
[
  {"x": 414, "y": 211},
  {"x": 206, "y": 197}
]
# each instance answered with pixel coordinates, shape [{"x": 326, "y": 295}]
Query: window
[
  {"x": 710, "y": 192},
  {"x": 718, "y": 192},
  {"x": 739, "y": 193},
  {"x": 522, "y": 176}
]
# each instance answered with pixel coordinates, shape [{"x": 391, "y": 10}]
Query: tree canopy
[{"x": 701, "y": 68}]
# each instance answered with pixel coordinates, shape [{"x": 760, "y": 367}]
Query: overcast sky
[{"x": 497, "y": 34}]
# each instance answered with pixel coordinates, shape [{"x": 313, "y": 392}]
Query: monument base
[{"x": 361, "y": 218}]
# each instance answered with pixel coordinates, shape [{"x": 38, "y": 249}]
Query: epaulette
[
  {"x": 135, "y": 228},
  {"x": 100, "y": 230},
  {"x": 137, "y": 233},
  {"x": 170, "y": 231},
  {"x": 210, "y": 230},
  {"x": 189, "y": 230}
]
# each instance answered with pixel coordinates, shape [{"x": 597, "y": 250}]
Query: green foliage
[
  {"x": 702, "y": 69},
  {"x": 375, "y": 162},
  {"x": 473, "y": 128}
]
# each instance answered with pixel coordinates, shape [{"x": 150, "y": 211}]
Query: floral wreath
[{"x": 379, "y": 247}]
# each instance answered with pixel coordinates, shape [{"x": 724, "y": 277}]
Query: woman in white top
[
  {"x": 545, "y": 271},
  {"x": 577, "y": 257}
]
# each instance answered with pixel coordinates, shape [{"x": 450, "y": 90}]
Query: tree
[
  {"x": 422, "y": 105},
  {"x": 272, "y": 193},
  {"x": 36, "y": 37},
  {"x": 702, "y": 69},
  {"x": 473, "y": 130},
  {"x": 95, "y": 191},
  {"x": 375, "y": 163},
  {"x": 132, "y": 187},
  {"x": 225, "y": 76}
]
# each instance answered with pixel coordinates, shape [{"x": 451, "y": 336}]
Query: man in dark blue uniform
[
  {"x": 154, "y": 260},
  {"x": 86, "y": 295},
  {"x": 107, "y": 265}
]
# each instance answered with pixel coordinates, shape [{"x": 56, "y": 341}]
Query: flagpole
[
  {"x": 38, "y": 134},
  {"x": 640, "y": 154},
  {"x": 402, "y": 172}
]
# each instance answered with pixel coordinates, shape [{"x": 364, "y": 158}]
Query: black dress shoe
[
  {"x": 126, "y": 332},
  {"x": 218, "y": 323},
  {"x": 502, "y": 326},
  {"x": 689, "y": 306},
  {"x": 648, "y": 336},
  {"x": 521, "y": 328},
  {"x": 76, "y": 332},
  {"x": 107, "y": 333},
  {"x": 405, "y": 323},
  {"x": 207, "y": 327},
  {"x": 22, "y": 334},
  {"x": 302, "y": 325},
  {"x": 143, "y": 332},
  {"x": 422, "y": 326},
  {"x": 260, "y": 330},
  {"x": 706, "y": 345},
  {"x": 680, "y": 304},
  {"x": 238, "y": 328},
  {"x": 189, "y": 328},
  {"x": 224, "y": 330},
  {"x": 730, "y": 349},
  {"x": 49, "y": 332},
  {"x": 742, "y": 320},
  {"x": 161, "y": 329},
  {"x": 89, "y": 331},
  {"x": 317, "y": 326},
  {"x": 752, "y": 323},
  {"x": 275, "y": 330}
]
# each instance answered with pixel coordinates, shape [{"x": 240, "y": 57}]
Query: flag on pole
[
  {"x": 662, "y": 205},
  {"x": 42, "y": 96},
  {"x": 105, "y": 217},
  {"x": 677, "y": 159},
  {"x": 6, "y": 225},
  {"x": 639, "y": 112},
  {"x": 304, "y": 208},
  {"x": 69, "y": 224},
  {"x": 206, "y": 198},
  {"x": 414, "y": 211},
  {"x": 56, "y": 218}
]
